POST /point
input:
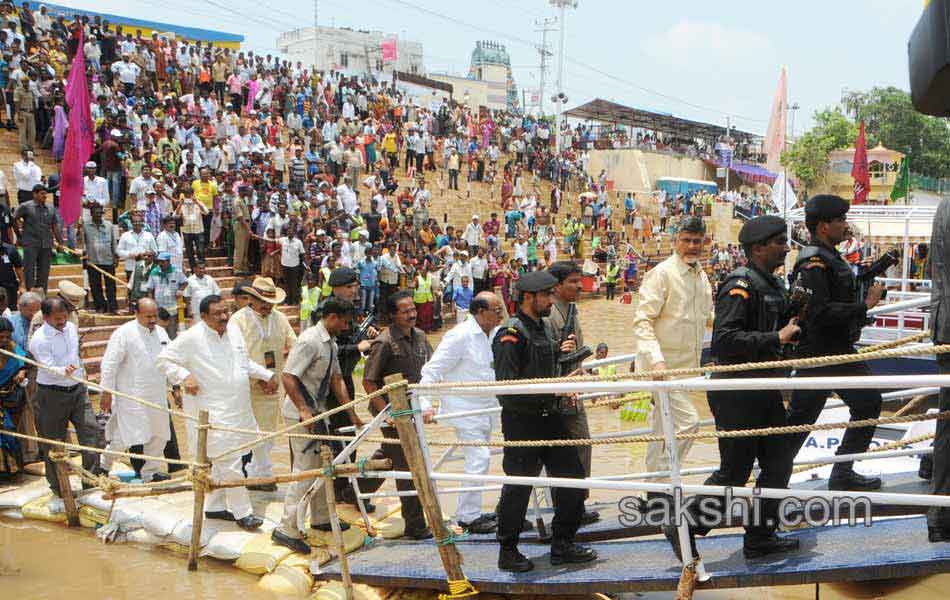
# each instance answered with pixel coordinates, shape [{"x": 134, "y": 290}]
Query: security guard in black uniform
[
  {"x": 753, "y": 323},
  {"x": 344, "y": 284},
  {"x": 832, "y": 324},
  {"x": 526, "y": 349}
]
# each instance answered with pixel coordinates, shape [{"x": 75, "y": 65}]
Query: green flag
[{"x": 902, "y": 184}]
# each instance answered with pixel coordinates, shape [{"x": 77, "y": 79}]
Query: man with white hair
[
  {"x": 95, "y": 190},
  {"x": 473, "y": 235},
  {"x": 465, "y": 354}
]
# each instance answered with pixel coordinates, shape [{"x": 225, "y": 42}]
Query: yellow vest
[
  {"x": 326, "y": 290},
  {"x": 612, "y": 274},
  {"x": 423, "y": 292},
  {"x": 309, "y": 298}
]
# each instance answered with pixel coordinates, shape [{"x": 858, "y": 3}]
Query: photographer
[
  {"x": 832, "y": 324},
  {"x": 525, "y": 348}
]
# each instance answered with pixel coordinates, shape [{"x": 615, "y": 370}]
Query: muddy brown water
[{"x": 45, "y": 561}]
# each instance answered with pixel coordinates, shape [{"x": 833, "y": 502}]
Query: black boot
[
  {"x": 563, "y": 552},
  {"x": 590, "y": 516},
  {"x": 672, "y": 536},
  {"x": 938, "y": 534},
  {"x": 926, "y": 470},
  {"x": 756, "y": 546},
  {"x": 295, "y": 544},
  {"x": 846, "y": 479},
  {"x": 509, "y": 559}
]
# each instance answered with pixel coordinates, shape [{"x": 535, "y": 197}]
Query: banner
[
  {"x": 79, "y": 138},
  {"x": 859, "y": 170},
  {"x": 775, "y": 134},
  {"x": 901, "y": 187},
  {"x": 390, "y": 54}
]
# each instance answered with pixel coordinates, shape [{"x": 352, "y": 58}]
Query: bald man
[
  {"x": 465, "y": 354},
  {"x": 128, "y": 366}
]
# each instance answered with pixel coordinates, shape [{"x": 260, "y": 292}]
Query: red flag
[
  {"x": 390, "y": 53},
  {"x": 79, "y": 138},
  {"x": 859, "y": 170}
]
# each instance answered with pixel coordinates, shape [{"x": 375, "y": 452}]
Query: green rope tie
[
  {"x": 361, "y": 465},
  {"x": 329, "y": 471},
  {"x": 368, "y": 541},
  {"x": 451, "y": 538},
  {"x": 395, "y": 414}
]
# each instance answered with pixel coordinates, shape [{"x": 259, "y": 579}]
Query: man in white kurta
[
  {"x": 213, "y": 369},
  {"x": 268, "y": 337},
  {"x": 128, "y": 366},
  {"x": 465, "y": 354}
]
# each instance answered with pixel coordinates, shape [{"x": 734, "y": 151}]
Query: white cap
[{"x": 91, "y": 164}]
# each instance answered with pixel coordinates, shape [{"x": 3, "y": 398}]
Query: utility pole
[
  {"x": 560, "y": 98},
  {"x": 545, "y": 27},
  {"x": 316, "y": 52}
]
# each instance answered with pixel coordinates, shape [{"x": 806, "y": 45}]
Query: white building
[{"x": 349, "y": 50}]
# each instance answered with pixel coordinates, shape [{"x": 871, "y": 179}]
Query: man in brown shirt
[{"x": 400, "y": 348}]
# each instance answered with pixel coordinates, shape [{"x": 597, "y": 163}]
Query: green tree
[{"x": 807, "y": 158}]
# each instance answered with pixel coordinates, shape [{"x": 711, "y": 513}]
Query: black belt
[{"x": 59, "y": 388}]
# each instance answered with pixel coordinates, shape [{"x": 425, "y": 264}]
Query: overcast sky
[{"x": 700, "y": 60}]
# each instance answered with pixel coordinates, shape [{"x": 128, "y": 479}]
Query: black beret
[
  {"x": 761, "y": 229},
  {"x": 826, "y": 207},
  {"x": 536, "y": 281},
  {"x": 343, "y": 276}
]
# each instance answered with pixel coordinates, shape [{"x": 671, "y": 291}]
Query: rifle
[
  {"x": 566, "y": 361},
  {"x": 866, "y": 275},
  {"x": 363, "y": 328},
  {"x": 798, "y": 298}
]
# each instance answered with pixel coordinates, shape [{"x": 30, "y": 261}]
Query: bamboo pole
[
  {"x": 687, "y": 583},
  {"x": 326, "y": 458},
  {"x": 65, "y": 490},
  {"x": 451, "y": 559},
  {"x": 199, "y": 475}
]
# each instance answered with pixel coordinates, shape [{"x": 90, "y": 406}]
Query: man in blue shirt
[
  {"x": 629, "y": 206},
  {"x": 369, "y": 281},
  {"x": 463, "y": 299}
]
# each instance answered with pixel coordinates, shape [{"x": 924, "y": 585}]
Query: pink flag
[
  {"x": 79, "y": 138},
  {"x": 775, "y": 134},
  {"x": 859, "y": 170},
  {"x": 389, "y": 49}
]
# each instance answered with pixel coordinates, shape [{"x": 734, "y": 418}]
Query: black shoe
[
  {"x": 938, "y": 534},
  {"x": 295, "y": 544},
  {"x": 754, "y": 547},
  {"x": 509, "y": 559},
  {"x": 569, "y": 552},
  {"x": 327, "y": 527},
  {"x": 418, "y": 534},
  {"x": 160, "y": 477},
  {"x": 590, "y": 516},
  {"x": 926, "y": 470},
  {"x": 672, "y": 536},
  {"x": 266, "y": 487},
  {"x": 250, "y": 523},
  {"x": 224, "y": 515},
  {"x": 482, "y": 524},
  {"x": 852, "y": 481}
]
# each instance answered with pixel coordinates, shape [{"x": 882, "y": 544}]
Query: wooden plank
[{"x": 198, "y": 514}]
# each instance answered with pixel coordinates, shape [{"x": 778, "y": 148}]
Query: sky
[{"x": 700, "y": 60}]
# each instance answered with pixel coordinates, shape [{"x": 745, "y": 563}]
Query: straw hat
[
  {"x": 264, "y": 289},
  {"x": 71, "y": 293}
]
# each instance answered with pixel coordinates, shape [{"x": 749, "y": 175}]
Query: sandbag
[
  {"x": 227, "y": 545},
  {"x": 334, "y": 590},
  {"x": 39, "y": 509},
  {"x": 291, "y": 583},
  {"x": 391, "y": 528},
  {"x": 261, "y": 555},
  {"x": 353, "y": 539},
  {"x": 182, "y": 532},
  {"x": 20, "y": 496},
  {"x": 92, "y": 517},
  {"x": 143, "y": 537}
]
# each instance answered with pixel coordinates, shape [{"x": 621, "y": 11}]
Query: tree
[{"x": 807, "y": 158}]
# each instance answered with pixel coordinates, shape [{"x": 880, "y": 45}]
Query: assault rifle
[{"x": 866, "y": 275}]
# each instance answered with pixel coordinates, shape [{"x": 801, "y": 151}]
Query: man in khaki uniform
[
  {"x": 675, "y": 307},
  {"x": 25, "y": 103},
  {"x": 241, "y": 221},
  {"x": 311, "y": 373},
  {"x": 268, "y": 336}
]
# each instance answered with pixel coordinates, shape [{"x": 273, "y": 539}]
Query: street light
[{"x": 560, "y": 98}]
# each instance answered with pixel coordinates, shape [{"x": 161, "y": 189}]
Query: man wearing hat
[
  {"x": 753, "y": 324},
  {"x": 832, "y": 324},
  {"x": 525, "y": 348},
  {"x": 344, "y": 285},
  {"x": 241, "y": 224},
  {"x": 95, "y": 190},
  {"x": 268, "y": 337},
  {"x": 164, "y": 283}
]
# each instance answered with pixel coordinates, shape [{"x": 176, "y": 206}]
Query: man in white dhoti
[
  {"x": 213, "y": 369},
  {"x": 128, "y": 366},
  {"x": 465, "y": 354}
]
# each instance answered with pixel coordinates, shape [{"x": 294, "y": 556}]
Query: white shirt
[
  {"x": 521, "y": 251},
  {"x": 290, "y": 251},
  {"x": 128, "y": 366},
  {"x": 473, "y": 234},
  {"x": 138, "y": 187},
  {"x": 222, "y": 369},
  {"x": 132, "y": 243},
  {"x": 197, "y": 290},
  {"x": 479, "y": 266},
  {"x": 96, "y": 189},
  {"x": 174, "y": 245},
  {"x": 464, "y": 354},
  {"x": 57, "y": 349},
  {"x": 26, "y": 175},
  {"x": 127, "y": 71},
  {"x": 458, "y": 270},
  {"x": 347, "y": 198}
]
